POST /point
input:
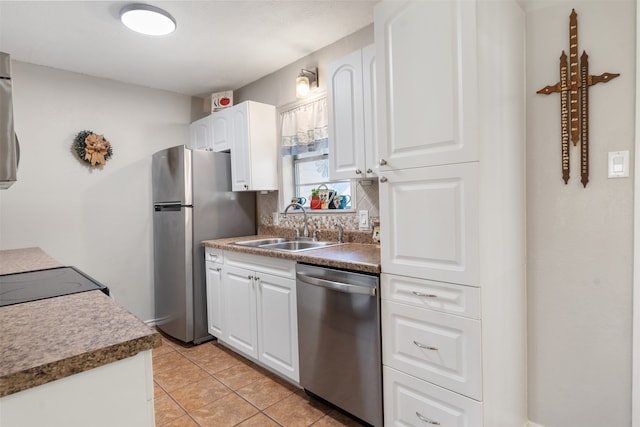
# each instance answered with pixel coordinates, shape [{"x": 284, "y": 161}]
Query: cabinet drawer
[
  {"x": 436, "y": 347},
  {"x": 214, "y": 254},
  {"x": 440, "y": 296},
  {"x": 262, "y": 264},
  {"x": 411, "y": 402}
]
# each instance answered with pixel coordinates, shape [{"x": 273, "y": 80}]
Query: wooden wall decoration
[{"x": 574, "y": 101}]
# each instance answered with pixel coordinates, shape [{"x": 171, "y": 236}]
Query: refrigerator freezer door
[
  {"x": 173, "y": 258},
  {"x": 171, "y": 175}
]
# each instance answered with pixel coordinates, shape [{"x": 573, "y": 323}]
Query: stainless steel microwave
[{"x": 9, "y": 147}]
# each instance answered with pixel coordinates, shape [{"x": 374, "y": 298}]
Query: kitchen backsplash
[{"x": 366, "y": 199}]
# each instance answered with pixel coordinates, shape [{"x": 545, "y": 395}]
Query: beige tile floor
[{"x": 209, "y": 386}]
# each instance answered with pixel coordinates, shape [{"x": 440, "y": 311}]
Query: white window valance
[{"x": 305, "y": 128}]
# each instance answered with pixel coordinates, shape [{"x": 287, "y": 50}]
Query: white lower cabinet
[
  {"x": 433, "y": 346},
  {"x": 241, "y": 327},
  {"x": 258, "y": 310},
  {"x": 116, "y": 394},
  {"x": 215, "y": 301},
  {"x": 278, "y": 324},
  {"x": 409, "y": 401}
]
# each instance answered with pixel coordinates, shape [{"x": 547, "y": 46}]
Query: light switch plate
[
  {"x": 363, "y": 220},
  {"x": 618, "y": 164}
]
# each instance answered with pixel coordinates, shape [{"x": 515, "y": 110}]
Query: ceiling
[{"x": 218, "y": 45}]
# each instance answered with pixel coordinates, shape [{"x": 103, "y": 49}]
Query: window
[
  {"x": 311, "y": 170},
  {"x": 304, "y": 153}
]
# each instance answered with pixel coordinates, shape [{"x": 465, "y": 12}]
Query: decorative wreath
[{"x": 92, "y": 148}]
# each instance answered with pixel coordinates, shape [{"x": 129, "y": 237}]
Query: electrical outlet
[
  {"x": 363, "y": 220},
  {"x": 276, "y": 218}
]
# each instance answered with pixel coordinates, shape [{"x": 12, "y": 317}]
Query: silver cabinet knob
[
  {"x": 383, "y": 179},
  {"x": 369, "y": 170},
  {"x": 382, "y": 162},
  {"x": 358, "y": 171}
]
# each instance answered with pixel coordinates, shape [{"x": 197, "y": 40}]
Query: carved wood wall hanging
[{"x": 574, "y": 101}]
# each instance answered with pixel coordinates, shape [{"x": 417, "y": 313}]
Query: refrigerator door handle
[{"x": 169, "y": 206}]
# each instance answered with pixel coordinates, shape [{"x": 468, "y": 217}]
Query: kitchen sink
[
  {"x": 261, "y": 242},
  {"x": 283, "y": 244},
  {"x": 298, "y": 245}
]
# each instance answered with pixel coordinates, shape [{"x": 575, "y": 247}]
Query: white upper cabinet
[
  {"x": 426, "y": 80},
  {"x": 221, "y": 130},
  {"x": 370, "y": 110},
  {"x": 352, "y": 127},
  {"x": 248, "y": 130},
  {"x": 200, "y": 134}
]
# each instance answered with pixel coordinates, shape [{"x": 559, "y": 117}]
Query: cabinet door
[
  {"x": 240, "y": 150},
  {"x": 431, "y": 223},
  {"x": 215, "y": 300},
  {"x": 409, "y": 401},
  {"x": 200, "y": 134},
  {"x": 278, "y": 324},
  {"x": 346, "y": 117},
  {"x": 426, "y": 70},
  {"x": 221, "y": 130},
  {"x": 240, "y": 310},
  {"x": 369, "y": 92}
]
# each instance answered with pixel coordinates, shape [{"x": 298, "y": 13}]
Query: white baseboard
[{"x": 532, "y": 424}]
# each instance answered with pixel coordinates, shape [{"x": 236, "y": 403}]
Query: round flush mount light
[{"x": 147, "y": 19}]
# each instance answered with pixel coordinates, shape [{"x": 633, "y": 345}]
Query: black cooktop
[{"x": 40, "y": 284}]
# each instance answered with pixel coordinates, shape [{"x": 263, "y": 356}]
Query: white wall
[
  {"x": 278, "y": 88},
  {"x": 99, "y": 221},
  {"x": 580, "y": 240}
]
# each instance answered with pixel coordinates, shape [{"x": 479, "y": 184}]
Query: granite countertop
[
  {"x": 361, "y": 257},
  {"x": 50, "y": 339},
  {"x": 27, "y": 259}
]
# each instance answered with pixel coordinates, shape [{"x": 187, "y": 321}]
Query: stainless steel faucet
[
  {"x": 340, "y": 232},
  {"x": 305, "y": 229}
]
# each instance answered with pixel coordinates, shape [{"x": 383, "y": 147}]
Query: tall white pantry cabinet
[{"x": 450, "y": 79}]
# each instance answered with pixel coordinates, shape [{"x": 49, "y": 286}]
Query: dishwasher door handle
[{"x": 336, "y": 286}]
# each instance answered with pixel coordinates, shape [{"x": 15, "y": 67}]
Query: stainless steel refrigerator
[{"x": 192, "y": 202}]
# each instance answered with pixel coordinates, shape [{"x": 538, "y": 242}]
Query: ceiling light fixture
[
  {"x": 305, "y": 82},
  {"x": 147, "y": 19}
]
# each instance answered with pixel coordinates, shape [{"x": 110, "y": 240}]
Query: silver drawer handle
[
  {"x": 336, "y": 286},
  {"x": 426, "y": 347},
  {"x": 383, "y": 179},
  {"x": 420, "y": 294},
  {"x": 218, "y": 269},
  {"x": 426, "y": 420}
]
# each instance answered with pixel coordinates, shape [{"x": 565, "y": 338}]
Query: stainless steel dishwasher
[{"x": 339, "y": 339}]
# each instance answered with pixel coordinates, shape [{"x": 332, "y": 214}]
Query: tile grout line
[
  {"x": 241, "y": 361},
  {"x": 211, "y": 375}
]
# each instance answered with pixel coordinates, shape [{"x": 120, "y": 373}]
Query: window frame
[{"x": 286, "y": 166}]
